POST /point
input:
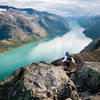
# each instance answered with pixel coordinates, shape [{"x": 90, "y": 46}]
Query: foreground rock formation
[
  {"x": 38, "y": 82},
  {"x": 89, "y": 74},
  {"x": 88, "y": 80}
]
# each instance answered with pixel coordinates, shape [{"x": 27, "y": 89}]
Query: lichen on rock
[
  {"x": 89, "y": 74},
  {"x": 38, "y": 81}
]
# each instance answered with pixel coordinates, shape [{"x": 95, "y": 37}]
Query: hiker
[{"x": 67, "y": 60}]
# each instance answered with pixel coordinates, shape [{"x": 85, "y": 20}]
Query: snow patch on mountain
[{"x": 3, "y": 10}]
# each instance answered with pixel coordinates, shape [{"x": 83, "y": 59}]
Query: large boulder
[
  {"x": 89, "y": 74},
  {"x": 38, "y": 82}
]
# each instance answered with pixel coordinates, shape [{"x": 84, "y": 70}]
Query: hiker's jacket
[{"x": 66, "y": 58}]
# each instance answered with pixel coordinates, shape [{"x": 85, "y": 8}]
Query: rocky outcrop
[
  {"x": 38, "y": 82},
  {"x": 57, "y": 62},
  {"x": 91, "y": 52},
  {"x": 89, "y": 74},
  {"x": 87, "y": 81}
]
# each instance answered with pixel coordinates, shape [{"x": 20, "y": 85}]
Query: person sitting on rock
[{"x": 67, "y": 60}]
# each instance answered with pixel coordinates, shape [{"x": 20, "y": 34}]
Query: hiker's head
[{"x": 69, "y": 54}]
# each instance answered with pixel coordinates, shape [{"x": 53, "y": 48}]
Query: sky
[{"x": 59, "y": 7}]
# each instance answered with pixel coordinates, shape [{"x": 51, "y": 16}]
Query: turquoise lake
[
  {"x": 14, "y": 59},
  {"x": 48, "y": 50}
]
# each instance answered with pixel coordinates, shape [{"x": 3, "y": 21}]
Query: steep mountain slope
[
  {"x": 94, "y": 31},
  {"x": 91, "y": 25},
  {"x": 91, "y": 52},
  {"x": 20, "y": 26},
  {"x": 93, "y": 45}
]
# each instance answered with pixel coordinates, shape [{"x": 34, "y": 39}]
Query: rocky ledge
[
  {"x": 38, "y": 81},
  {"x": 86, "y": 78},
  {"x": 41, "y": 81}
]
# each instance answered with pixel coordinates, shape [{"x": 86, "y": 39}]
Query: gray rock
[
  {"x": 38, "y": 82},
  {"x": 89, "y": 74}
]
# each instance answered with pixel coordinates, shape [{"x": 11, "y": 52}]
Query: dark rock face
[
  {"x": 5, "y": 30},
  {"x": 57, "y": 62},
  {"x": 93, "y": 45},
  {"x": 89, "y": 74},
  {"x": 38, "y": 82},
  {"x": 91, "y": 25},
  {"x": 87, "y": 80},
  {"x": 93, "y": 32},
  {"x": 90, "y": 55},
  {"x": 91, "y": 52}
]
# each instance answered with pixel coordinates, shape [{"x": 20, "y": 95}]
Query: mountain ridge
[
  {"x": 91, "y": 25},
  {"x": 21, "y": 26}
]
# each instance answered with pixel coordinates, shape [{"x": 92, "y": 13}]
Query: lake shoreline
[
  {"x": 18, "y": 46},
  {"x": 28, "y": 42}
]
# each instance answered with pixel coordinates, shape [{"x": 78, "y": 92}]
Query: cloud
[
  {"x": 23, "y": 1},
  {"x": 73, "y": 41},
  {"x": 60, "y": 7}
]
